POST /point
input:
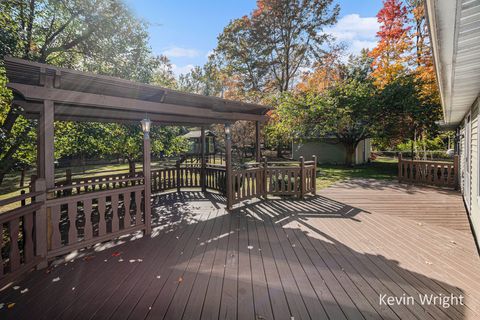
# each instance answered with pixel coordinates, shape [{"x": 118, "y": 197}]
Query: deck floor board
[{"x": 328, "y": 257}]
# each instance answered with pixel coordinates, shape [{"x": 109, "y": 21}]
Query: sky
[{"x": 186, "y": 30}]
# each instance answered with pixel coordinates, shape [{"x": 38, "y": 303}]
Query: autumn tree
[
  {"x": 100, "y": 36},
  {"x": 265, "y": 51},
  {"x": 326, "y": 73},
  {"x": 390, "y": 54}
]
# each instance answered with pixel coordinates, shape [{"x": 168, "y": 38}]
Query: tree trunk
[
  {"x": 279, "y": 150},
  {"x": 350, "y": 155},
  {"x": 22, "y": 178},
  {"x": 131, "y": 165},
  {"x": 2, "y": 176}
]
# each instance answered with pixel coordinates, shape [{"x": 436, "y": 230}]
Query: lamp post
[{"x": 146, "y": 124}]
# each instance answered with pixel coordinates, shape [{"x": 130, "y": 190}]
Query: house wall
[
  {"x": 328, "y": 152},
  {"x": 473, "y": 163}
]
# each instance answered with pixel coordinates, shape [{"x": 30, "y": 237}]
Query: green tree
[
  {"x": 406, "y": 112},
  {"x": 100, "y": 36}
]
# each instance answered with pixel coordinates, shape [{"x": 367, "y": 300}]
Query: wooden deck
[
  {"x": 276, "y": 259},
  {"x": 435, "y": 206}
]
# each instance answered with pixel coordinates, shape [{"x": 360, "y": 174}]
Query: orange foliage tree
[{"x": 390, "y": 54}]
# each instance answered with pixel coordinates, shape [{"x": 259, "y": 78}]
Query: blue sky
[{"x": 186, "y": 30}]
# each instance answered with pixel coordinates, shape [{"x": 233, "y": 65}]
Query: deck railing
[
  {"x": 77, "y": 213},
  {"x": 98, "y": 210},
  {"x": 188, "y": 176},
  {"x": 17, "y": 231},
  {"x": 438, "y": 173},
  {"x": 292, "y": 178}
]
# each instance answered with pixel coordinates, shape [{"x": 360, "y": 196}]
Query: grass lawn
[{"x": 381, "y": 168}]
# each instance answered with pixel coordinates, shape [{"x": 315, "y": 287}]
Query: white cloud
[
  {"x": 357, "y": 32},
  {"x": 178, "y": 70},
  {"x": 178, "y": 52}
]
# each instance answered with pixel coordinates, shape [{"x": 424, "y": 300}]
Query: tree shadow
[{"x": 262, "y": 260}]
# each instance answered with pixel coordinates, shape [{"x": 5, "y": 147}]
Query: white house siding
[{"x": 474, "y": 209}]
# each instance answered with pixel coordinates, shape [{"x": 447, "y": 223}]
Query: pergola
[
  {"x": 51, "y": 93},
  {"x": 120, "y": 204}
]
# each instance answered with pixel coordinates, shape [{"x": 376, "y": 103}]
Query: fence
[{"x": 438, "y": 173}]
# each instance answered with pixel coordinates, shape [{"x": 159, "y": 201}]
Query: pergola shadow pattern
[{"x": 276, "y": 259}]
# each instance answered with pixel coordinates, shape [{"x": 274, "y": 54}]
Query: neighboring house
[
  {"x": 328, "y": 151},
  {"x": 455, "y": 31},
  {"x": 195, "y": 136}
]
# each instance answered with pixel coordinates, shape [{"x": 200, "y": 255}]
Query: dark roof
[{"x": 91, "y": 97}]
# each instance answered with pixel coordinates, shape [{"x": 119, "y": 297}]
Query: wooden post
[
  {"x": 177, "y": 165},
  {"x": 41, "y": 223},
  {"x": 314, "y": 175},
  {"x": 302, "y": 177},
  {"x": 265, "y": 178},
  {"x": 68, "y": 181},
  {"x": 45, "y": 144},
  {"x": 456, "y": 169},
  {"x": 257, "y": 141},
  {"x": 147, "y": 182},
  {"x": 400, "y": 173},
  {"x": 228, "y": 166},
  {"x": 202, "y": 169}
]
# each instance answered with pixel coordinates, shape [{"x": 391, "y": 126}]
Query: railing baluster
[
  {"x": 138, "y": 205},
  {"x": 102, "y": 225},
  {"x": 87, "y": 211}
]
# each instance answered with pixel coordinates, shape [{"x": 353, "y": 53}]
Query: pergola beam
[{"x": 75, "y": 98}]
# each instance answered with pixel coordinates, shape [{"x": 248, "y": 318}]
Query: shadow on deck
[{"x": 276, "y": 259}]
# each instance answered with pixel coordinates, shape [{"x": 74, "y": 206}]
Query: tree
[
  {"x": 100, "y": 36},
  {"x": 348, "y": 113},
  {"x": 207, "y": 80},
  {"x": 390, "y": 54},
  {"x": 405, "y": 113},
  {"x": 327, "y": 73},
  {"x": 265, "y": 51},
  {"x": 163, "y": 74}
]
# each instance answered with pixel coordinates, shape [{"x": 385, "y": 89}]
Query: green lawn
[{"x": 381, "y": 168}]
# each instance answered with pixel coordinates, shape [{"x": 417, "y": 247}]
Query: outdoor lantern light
[
  {"x": 227, "y": 130},
  {"x": 146, "y": 123}
]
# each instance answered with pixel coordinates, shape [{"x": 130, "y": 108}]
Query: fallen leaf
[
  {"x": 24, "y": 290},
  {"x": 11, "y": 305},
  {"x": 56, "y": 279}
]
